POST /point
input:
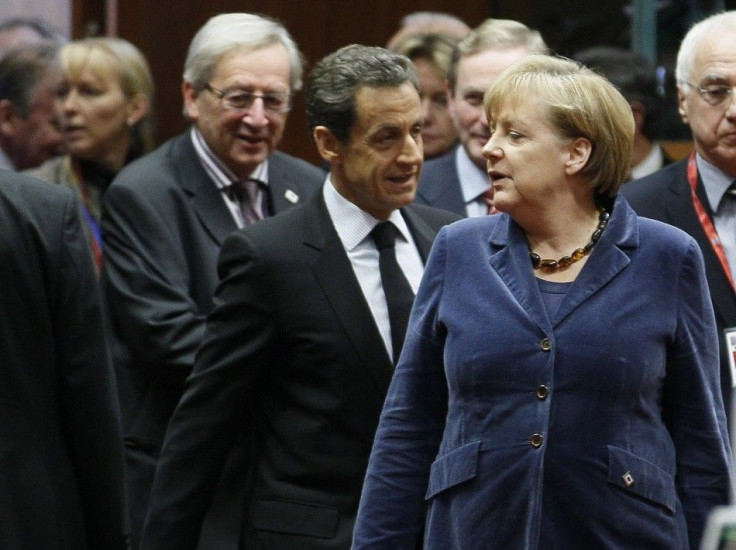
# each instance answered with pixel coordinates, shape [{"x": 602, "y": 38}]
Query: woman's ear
[
  {"x": 578, "y": 154},
  {"x": 138, "y": 106}
]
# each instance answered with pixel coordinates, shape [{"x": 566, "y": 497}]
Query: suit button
[
  {"x": 536, "y": 440},
  {"x": 542, "y": 392},
  {"x": 546, "y": 344}
]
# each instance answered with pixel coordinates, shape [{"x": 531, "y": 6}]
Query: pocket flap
[
  {"x": 295, "y": 518},
  {"x": 637, "y": 475},
  {"x": 453, "y": 468}
]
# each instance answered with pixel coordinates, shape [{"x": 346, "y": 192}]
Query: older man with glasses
[
  {"x": 698, "y": 194},
  {"x": 167, "y": 214}
]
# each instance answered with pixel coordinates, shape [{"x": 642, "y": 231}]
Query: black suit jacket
[
  {"x": 61, "y": 456},
  {"x": 292, "y": 343},
  {"x": 439, "y": 184},
  {"x": 665, "y": 196},
  {"x": 163, "y": 224}
]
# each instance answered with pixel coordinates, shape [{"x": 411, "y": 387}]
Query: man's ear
[
  {"x": 7, "y": 113},
  {"x": 190, "y": 95},
  {"x": 578, "y": 155},
  {"x": 328, "y": 146}
]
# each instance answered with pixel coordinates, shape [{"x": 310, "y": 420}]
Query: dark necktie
[
  {"x": 399, "y": 295},
  {"x": 247, "y": 194}
]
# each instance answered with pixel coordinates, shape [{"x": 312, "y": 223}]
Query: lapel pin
[{"x": 292, "y": 197}]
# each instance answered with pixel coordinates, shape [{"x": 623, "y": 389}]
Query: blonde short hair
[
  {"x": 580, "y": 104},
  {"x": 99, "y": 54}
]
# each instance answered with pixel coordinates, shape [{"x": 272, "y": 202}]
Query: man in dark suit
[
  {"x": 302, "y": 338},
  {"x": 61, "y": 478},
  {"x": 457, "y": 181},
  {"x": 166, "y": 215},
  {"x": 693, "y": 194}
]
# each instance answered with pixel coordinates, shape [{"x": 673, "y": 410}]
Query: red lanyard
[{"x": 704, "y": 219}]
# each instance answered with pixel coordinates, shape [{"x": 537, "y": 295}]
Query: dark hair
[
  {"x": 334, "y": 81},
  {"x": 632, "y": 74},
  {"x": 21, "y": 71}
]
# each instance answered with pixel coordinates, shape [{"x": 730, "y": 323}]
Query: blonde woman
[{"x": 103, "y": 102}]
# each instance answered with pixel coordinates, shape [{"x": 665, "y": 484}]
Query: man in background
[
  {"x": 29, "y": 128},
  {"x": 635, "y": 78},
  {"x": 166, "y": 215},
  {"x": 697, "y": 193},
  {"x": 457, "y": 181}
]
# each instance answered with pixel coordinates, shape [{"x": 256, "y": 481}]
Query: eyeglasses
[
  {"x": 715, "y": 94},
  {"x": 239, "y": 100}
]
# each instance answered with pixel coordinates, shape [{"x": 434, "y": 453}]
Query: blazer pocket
[
  {"x": 641, "y": 477},
  {"x": 295, "y": 518},
  {"x": 453, "y": 468}
]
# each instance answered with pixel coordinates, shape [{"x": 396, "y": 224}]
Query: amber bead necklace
[{"x": 578, "y": 253}]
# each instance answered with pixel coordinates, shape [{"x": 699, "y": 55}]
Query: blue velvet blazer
[{"x": 601, "y": 427}]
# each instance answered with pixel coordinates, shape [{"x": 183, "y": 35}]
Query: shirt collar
[
  {"x": 651, "y": 163},
  {"x": 221, "y": 174},
  {"x": 715, "y": 181},
  {"x": 473, "y": 181},
  {"x": 352, "y": 224}
]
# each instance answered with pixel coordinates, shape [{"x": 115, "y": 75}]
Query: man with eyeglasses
[
  {"x": 167, "y": 214},
  {"x": 697, "y": 193}
]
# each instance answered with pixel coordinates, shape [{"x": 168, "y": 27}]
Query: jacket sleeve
[
  {"x": 237, "y": 347},
  {"x": 692, "y": 403},
  {"x": 391, "y": 511},
  {"x": 147, "y": 283},
  {"x": 87, "y": 393}
]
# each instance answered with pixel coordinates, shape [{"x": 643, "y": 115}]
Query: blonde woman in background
[{"x": 103, "y": 101}]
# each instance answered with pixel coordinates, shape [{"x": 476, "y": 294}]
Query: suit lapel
[
  {"x": 679, "y": 211},
  {"x": 443, "y": 190},
  {"x": 337, "y": 280},
  {"x": 284, "y": 181},
  {"x": 422, "y": 233},
  {"x": 204, "y": 197}
]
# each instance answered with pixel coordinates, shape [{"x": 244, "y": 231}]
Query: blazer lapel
[
  {"x": 606, "y": 260},
  {"x": 337, "y": 279},
  {"x": 204, "y": 197},
  {"x": 510, "y": 259}
]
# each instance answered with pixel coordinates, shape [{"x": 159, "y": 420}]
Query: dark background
[{"x": 162, "y": 29}]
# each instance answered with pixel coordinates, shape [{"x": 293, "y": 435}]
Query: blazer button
[
  {"x": 546, "y": 344},
  {"x": 536, "y": 440},
  {"x": 542, "y": 392}
]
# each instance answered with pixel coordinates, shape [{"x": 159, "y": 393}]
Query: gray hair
[
  {"x": 229, "y": 32},
  {"x": 21, "y": 72},
  {"x": 335, "y": 80},
  {"x": 713, "y": 25},
  {"x": 496, "y": 34}
]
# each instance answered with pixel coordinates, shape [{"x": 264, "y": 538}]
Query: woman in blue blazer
[{"x": 559, "y": 383}]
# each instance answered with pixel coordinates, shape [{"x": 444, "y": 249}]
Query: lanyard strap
[{"x": 704, "y": 219}]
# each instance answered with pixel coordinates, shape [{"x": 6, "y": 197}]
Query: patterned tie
[
  {"x": 399, "y": 295},
  {"x": 488, "y": 199},
  {"x": 247, "y": 194}
]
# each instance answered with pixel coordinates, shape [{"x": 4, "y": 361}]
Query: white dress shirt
[{"x": 354, "y": 226}]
